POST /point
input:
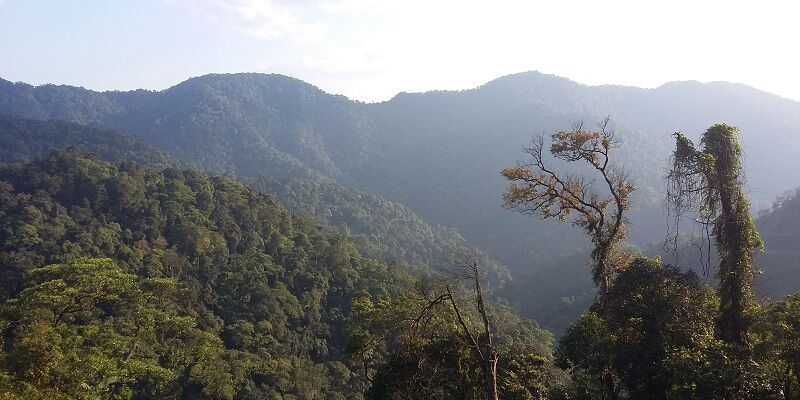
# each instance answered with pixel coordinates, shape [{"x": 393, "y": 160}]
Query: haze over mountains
[{"x": 438, "y": 153}]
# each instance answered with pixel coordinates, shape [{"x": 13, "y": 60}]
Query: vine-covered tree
[
  {"x": 709, "y": 181},
  {"x": 537, "y": 189}
]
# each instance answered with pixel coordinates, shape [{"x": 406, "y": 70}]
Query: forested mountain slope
[
  {"x": 780, "y": 228},
  {"x": 438, "y": 153},
  {"x": 23, "y": 139},
  {"x": 243, "y": 125},
  {"x": 239, "y": 260},
  {"x": 209, "y": 290},
  {"x": 381, "y": 229}
]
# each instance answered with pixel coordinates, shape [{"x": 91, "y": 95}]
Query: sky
[{"x": 371, "y": 50}]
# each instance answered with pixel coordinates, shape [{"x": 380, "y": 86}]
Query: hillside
[
  {"x": 380, "y": 228},
  {"x": 213, "y": 290},
  {"x": 238, "y": 257},
  {"x": 246, "y": 126},
  {"x": 24, "y": 139},
  {"x": 437, "y": 153},
  {"x": 779, "y": 227}
]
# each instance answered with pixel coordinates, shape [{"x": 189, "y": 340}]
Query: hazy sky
[{"x": 370, "y": 50}]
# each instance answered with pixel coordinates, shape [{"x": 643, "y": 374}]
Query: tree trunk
[
  {"x": 491, "y": 357},
  {"x": 490, "y": 374},
  {"x": 735, "y": 271}
]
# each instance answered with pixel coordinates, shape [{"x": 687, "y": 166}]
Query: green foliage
[
  {"x": 25, "y": 139},
  {"x": 662, "y": 321},
  {"x": 652, "y": 336},
  {"x": 379, "y": 228},
  {"x": 86, "y": 329},
  {"x": 777, "y": 348},
  {"x": 236, "y": 297},
  {"x": 711, "y": 181},
  {"x": 429, "y": 355},
  {"x": 644, "y": 338},
  {"x": 436, "y": 153}
]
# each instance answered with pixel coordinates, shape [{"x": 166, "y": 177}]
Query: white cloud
[{"x": 265, "y": 19}]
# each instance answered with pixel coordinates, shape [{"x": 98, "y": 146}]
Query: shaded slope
[
  {"x": 780, "y": 230},
  {"x": 382, "y": 229},
  {"x": 242, "y": 125},
  {"x": 25, "y": 139}
]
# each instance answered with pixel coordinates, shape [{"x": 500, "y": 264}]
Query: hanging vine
[{"x": 709, "y": 183}]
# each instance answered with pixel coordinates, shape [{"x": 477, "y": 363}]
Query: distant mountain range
[{"x": 437, "y": 153}]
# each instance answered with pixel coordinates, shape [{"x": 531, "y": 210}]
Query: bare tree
[
  {"x": 537, "y": 189},
  {"x": 464, "y": 266}
]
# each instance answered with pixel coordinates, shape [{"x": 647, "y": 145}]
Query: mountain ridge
[
  {"x": 511, "y": 76},
  {"x": 437, "y": 153}
]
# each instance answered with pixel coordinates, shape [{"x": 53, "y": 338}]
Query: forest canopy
[
  {"x": 131, "y": 282},
  {"x": 126, "y": 276}
]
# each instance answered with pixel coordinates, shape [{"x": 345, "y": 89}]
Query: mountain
[
  {"x": 243, "y": 125},
  {"x": 24, "y": 139},
  {"x": 437, "y": 153},
  {"x": 380, "y": 228},
  {"x": 262, "y": 295},
  {"x": 125, "y": 279},
  {"x": 779, "y": 227}
]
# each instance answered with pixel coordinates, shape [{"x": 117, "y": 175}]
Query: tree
[
  {"x": 709, "y": 181},
  {"x": 428, "y": 356},
  {"x": 438, "y": 347},
  {"x": 778, "y": 350},
  {"x": 537, "y": 189},
  {"x": 586, "y": 350},
  {"x": 465, "y": 267},
  {"x": 649, "y": 337},
  {"x": 662, "y": 320},
  {"x": 86, "y": 329}
]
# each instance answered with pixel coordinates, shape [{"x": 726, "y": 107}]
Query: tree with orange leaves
[{"x": 536, "y": 189}]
